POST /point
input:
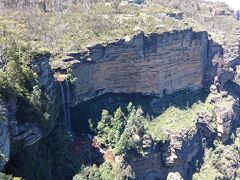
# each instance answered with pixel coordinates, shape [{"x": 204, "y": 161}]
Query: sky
[{"x": 235, "y": 4}]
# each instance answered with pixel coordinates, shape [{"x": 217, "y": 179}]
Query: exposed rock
[
  {"x": 4, "y": 136},
  {"x": 176, "y": 15},
  {"x": 237, "y": 15},
  {"x": 186, "y": 145},
  {"x": 159, "y": 64},
  {"x": 174, "y": 176},
  {"x": 225, "y": 75},
  {"x": 150, "y": 167},
  {"x": 173, "y": 156},
  {"x": 218, "y": 19},
  {"x": 149, "y": 65},
  {"x": 28, "y": 133},
  {"x": 226, "y": 110},
  {"x": 227, "y": 113},
  {"x": 147, "y": 144},
  {"x": 2, "y": 63},
  {"x": 183, "y": 147},
  {"x": 214, "y": 89},
  {"x": 206, "y": 123},
  {"x": 46, "y": 79},
  {"x": 154, "y": 64}
]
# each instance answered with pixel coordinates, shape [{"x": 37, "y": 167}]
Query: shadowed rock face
[
  {"x": 151, "y": 65},
  {"x": 176, "y": 156},
  {"x": 4, "y": 136}
]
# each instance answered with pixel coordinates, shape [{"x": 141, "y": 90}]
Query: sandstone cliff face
[
  {"x": 151, "y": 65},
  {"x": 218, "y": 20}
]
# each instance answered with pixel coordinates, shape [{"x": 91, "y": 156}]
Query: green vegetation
[
  {"x": 25, "y": 34},
  {"x": 9, "y": 177},
  {"x": 75, "y": 30},
  {"x": 223, "y": 162},
  {"x": 106, "y": 171},
  {"x": 19, "y": 81},
  {"x": 125, "y": 133},
  {"x": 110, "y": 128},
  {"x": 175, "y": 119},
  {"x": 179, "y": 113},
  {"x": 122, "y": 133}
]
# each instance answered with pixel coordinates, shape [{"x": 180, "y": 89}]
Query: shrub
[
  {"x": 106, "y": 171},
  {"x": 19, "y": 81}
]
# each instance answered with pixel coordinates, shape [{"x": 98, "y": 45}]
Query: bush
[
  {"x": 18, "y": 81},
  {"x": 106, "y": 171}
]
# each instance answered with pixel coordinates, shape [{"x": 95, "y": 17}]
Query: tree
[
  {"x": 110, "y": 128},
  {"x": 131, "y": 138},
  {"x": 123, "y": 133},
  {"x": 106, "y": 171},
  {"x": 104, "y": 126}
]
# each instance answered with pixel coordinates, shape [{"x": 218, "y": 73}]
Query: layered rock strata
[{"x": 155, "y": 64}]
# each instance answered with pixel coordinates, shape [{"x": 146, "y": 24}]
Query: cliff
[{"x": 154, "y": 64}]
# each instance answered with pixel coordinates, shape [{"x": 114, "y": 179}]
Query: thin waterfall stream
[{"x": 66, "y": 107}]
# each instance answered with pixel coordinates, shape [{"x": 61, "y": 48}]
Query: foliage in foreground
[{"x": 106, "y": 171}]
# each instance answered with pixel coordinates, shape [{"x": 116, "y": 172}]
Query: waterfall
[
  {"x": 66, "y": 107},
  {"x": 63, "y": 103}
]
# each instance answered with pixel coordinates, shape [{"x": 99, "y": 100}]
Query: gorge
[{"x": 143, "y": 92}]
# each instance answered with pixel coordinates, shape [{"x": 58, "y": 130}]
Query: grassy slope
[
  {"x": 75, "y": 30},
  {"x": 175, "y": 119}
]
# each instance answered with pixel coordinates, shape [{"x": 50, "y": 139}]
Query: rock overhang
[{"x": 149, "y": 64}]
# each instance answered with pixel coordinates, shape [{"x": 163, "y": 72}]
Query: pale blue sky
[{"x": 235, "y": 4}]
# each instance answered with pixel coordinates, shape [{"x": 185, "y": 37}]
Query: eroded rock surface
[
  {"x": 226, "y": 110},
  {"x": 27, "y": 133},
  {"x": 148, "y": 64}
]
